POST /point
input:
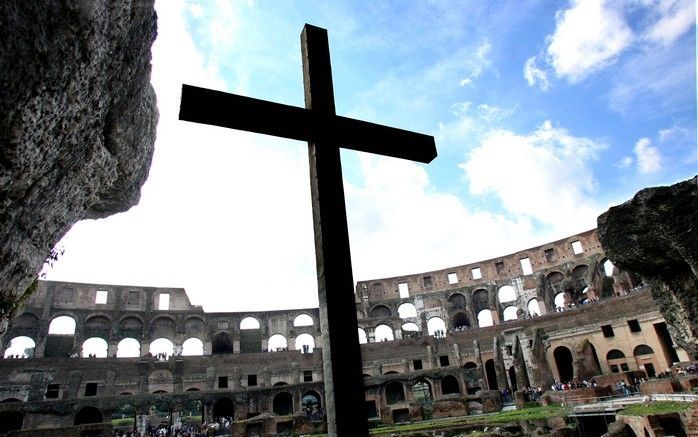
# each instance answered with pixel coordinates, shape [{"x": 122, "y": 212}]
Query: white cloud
[
  {"x": 535, "y": 75},
  {"x": 649, "y": 159},
  {"x": 626, "y": 162},
  {"x": 478, "y": 64},
  {"x": 673, "y": 19},
  {"x": 545, "y": 175},
  {"x": 492, "y": 113},
  {"x": 588, "y": 37}
]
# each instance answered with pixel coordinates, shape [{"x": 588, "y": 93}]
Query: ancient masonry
[{"x": 435, "y": 344}]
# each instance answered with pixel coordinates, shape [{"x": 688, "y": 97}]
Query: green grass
[
  {"x": 659, "y": 407},
  {"x": 122, "y": 422},
  {"x": 529, "y": 413}
]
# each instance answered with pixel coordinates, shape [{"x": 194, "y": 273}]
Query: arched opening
[
  {"x": 94, "y": 347},
  {"x": 406, "y": 310},
  {"x": 123, "y": 418},
  {"x": 380, "y": 311},
  {"x": 410, "y": 329},
  {"x": 362, "y": 336},
  {"x": 277, "y": 343},
  {"x": 192, "y": 413},
  {"x": 533, "y": 308},
  {"x": 279, "y": 384},
  {"x": 223, "y": 407},
  {"x": 303, "y": 320},
  {"x": 250, "y": 335},
  {"x": 312, "y": 407},
  {"x": 194, "y": 327},
  {"x": 506, "y": 294},
  {"x": 158, "y": 416},
  {"x": 20, "y": 347},
  {"x": 460, "y": 321},
  {"x": 97, "y": 326},
  {"x": 162, "y": 348},
  {"x": 390, "y": 372},
  {"x": 436, "y": 327},
  {"x": 131, "y": 327},
  {"x": 384, "y": 333},
  {"x": 128, "y": 348},
  {"x": 491, "y": 375},
  {"x": 471, "y": 377},
  {"x": 644, "y": 358},
  {"x": 192, "y": 347},
  {"x": 563, "y": 361},
  {"x": 510, "y": 313},
  {"x": 617, "y": 361},
  {"x": 421, "y": 391},
  {"x": 88, "y": 415},
  {"x": 643, "y": 349},
  {"x": 484, "y": 318},
  {"x": 560, "y": 301},
  {"x": 457, "y": 300},
  {"x": 481, "y": 300},
  {"x": 449, "y": 385},
  {"x": 282, "y": 404},
  {"x": 60, "y": 341},
  {"x": 608, "y": 268},
  {"x": 512, "y": 379},
  {"x": 394, "y": 392},
  {"x": 162, "y": 327},
  {"x": 305, "y": 343},
  {"x": 10, "y": 421},
  {"x": 222, "y": 344}
]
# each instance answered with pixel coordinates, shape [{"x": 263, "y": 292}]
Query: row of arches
[{"x": 615, "y": 360}]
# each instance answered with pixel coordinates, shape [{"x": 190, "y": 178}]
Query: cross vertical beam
[{"x": 342, "y": 365}]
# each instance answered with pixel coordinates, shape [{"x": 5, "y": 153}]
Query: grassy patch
[
  {"x": 659, "y": 407},
  {"x": 530, "y": 413}
]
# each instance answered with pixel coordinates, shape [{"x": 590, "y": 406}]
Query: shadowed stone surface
[
  {"x": 77, "y": 123},
  {"x": 656, "y": 235}
]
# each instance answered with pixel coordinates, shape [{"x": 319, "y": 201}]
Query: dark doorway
[
  {"x": 223, "y": 407},
  {"x": 666, "y": 342},
  {"x": 672, "y": 426},
  {"x": 401, "y": 415},
  {"x": 371, "y": 410},
  {"x": 512, "y": 379},
  {"x": 491, "y": 375},
  {"x": 563, "y": 361},
  {"x": 649, "y": 368},
  {"x": 283, "y": 404},
  {"x": 59, "y": 346},
  {"x": 449, "y": 385},
  {"x": 10, "y": 421},
  {"x": 88, "y": 415},
  {"x": 460, "y": 321},
  {"x": 394, "y": 392},
  {"x": 222, "y": 344}
]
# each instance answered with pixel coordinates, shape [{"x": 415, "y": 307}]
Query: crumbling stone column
[
  {"x": 480, "y": 366},
  {"x": 522, "y": 380},
  {"x": 499, "y": 368}
]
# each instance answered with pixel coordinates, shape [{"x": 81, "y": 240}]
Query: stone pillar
[
  {"x": 295, "y": 373},
  {"x": 500, "y": 370},
  {"x": 456, "y": 353},
  {"x": 480, "y": 366},
  {"x": 430, "y": 357},
  {"x": 522, "y": 380},
  {"x": 112, "y": 348}
]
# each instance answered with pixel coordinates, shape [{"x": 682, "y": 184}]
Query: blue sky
[{"x": 544, "y": 113}]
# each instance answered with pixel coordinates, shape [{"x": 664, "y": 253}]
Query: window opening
[
  {"x": 577, "y": 247},
  {"x": 526, "y": 266},
  {"x": 101, "y": 297},
  {"x": 477, "y": 273},
  {"x": 452, "y": 278},
  {"x": 403, "y": 289},
  {"x": 164, "y": 302}
]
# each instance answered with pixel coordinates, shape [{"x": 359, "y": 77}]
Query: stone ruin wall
[{"x": 515, "y": 350}]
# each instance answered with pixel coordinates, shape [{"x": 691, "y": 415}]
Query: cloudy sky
[{"x": 545, "y": 113}]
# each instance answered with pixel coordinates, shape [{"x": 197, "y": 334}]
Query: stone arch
[
  {"x": 277, "y": 342},
  {"x": 510, "y": 313},
  {"x": 21, "y": 346},
  {"x": 606, "y": 267},
  {"x": 222, "y": 344},
  {"x": 282, "y": 404},
  {"x": 161, "y": 345},
  {"x": 391, "y": 372},
  {"x": 614, "y": 354},
  {"x": 421, "y": 391},
  {"x": 194, "y": 326},
  {"x": 88, "y": 415},
  {"x": 223, "y": 407},
  {"x": 450, "y": 385},
  {"x": 279, "y": 384},
  {"x": 642, "y": 349},
  {"x": 162, "y": 327},
  {"x": 131, "y": 326},
  {"x": 128, "y": 348},
  {"x": 380, "y": 311},
  {"x": 436, "y": 326},
  {"x": 305, "y": 340},
  {"x": 192, "y": 347},
  {"x": 311, "y": 398},
  {"x": 27, "y": 324},
  {"x": 460, "y": 321},
  {"x": 303, "y": 320},
  {"x": 644, "y": 358},
  {"x": 506, "y": 293},
  {"x": 394, "y": 392},
  {"x": 384, "y": 333},
  {"x": 362, "y": 336},
  {"x": 560, "y": 300},
  {"x": 250, "y": 335},
  {"x": 564, "y": 363},
  {"x": 481, "y": 300},
  {"x": 533, "y": 307},
  {"x": 62, "y": 325},
  {"x": 407, "y": 310},
  {"x": 484, "y": 318},
  {"x": 97, "y": 326},
  {"x": 94, "y": 346},
  {"x": 409, "y": 328},
  {"x": 457, "y": 300}
]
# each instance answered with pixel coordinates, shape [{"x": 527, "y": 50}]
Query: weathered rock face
[
  {"x": 656, "y": 235},
  {"x": 77, "y": 122}
]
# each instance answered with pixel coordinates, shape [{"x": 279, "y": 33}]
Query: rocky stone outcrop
[
  {"x": 656, "y": 235},
  {"x": 77, "y": 123}
]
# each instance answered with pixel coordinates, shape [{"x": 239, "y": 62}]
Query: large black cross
[{"x": 325, "y": 133}]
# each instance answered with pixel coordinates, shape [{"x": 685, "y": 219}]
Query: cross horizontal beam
[{"x": 218, "y": 108}]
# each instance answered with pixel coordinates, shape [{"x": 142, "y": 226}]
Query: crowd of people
[
  {"x": 532, "y": 394},
  {"x": 573, "y": 384},
  {"x": 314, "y": 412},
  {"x": 217, "y": 427}
]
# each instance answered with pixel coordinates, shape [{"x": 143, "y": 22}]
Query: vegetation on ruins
[{"x": 658, "y": 407}]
